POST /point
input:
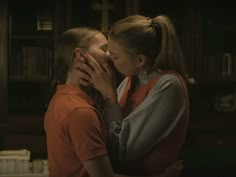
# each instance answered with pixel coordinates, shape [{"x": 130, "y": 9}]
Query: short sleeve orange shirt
[{"x": 74, "y": 132}]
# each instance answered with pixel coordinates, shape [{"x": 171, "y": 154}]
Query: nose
[{"x": 108, "y": 53}]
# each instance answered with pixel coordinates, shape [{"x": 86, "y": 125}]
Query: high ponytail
[
  {"x": 155, "y": 38},
  {"x": 170, "y": 56}
]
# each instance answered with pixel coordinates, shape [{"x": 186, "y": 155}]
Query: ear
[
  {"x": 78, "y": 52},
  {"x": 79, "y": 55},
  {"x": 141, "y": 61}
]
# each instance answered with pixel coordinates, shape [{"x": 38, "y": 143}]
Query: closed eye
[
  {"x": 104, "y": 48},
  {"x": 112, "y": 55}
]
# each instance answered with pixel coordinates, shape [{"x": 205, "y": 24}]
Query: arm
[
  {"x": 84, "y": 130},
  {"x": 102, "y": 78},
  {"x": 153, "y": 119},
  {"x": 100, "y": 167},
  {"x": 112, "y": 103}
]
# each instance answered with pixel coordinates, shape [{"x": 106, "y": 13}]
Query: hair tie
[
  {"x": 154, "y": 25},
  {"x": 150, "y": 20}
]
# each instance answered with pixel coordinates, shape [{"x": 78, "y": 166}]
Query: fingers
[
  {"x": 84, "y": 78},
  {"x": 98, "y": 67},
  {"x": 92, "y": 62},
  {"x": 84, "y": 82},
  {"x": 79, "y": 55},
  {"x": 106, "y": 68},
  {"x": 84, "y": 75},
  {"x": 94, "y": 73},
  {"x": 84, "y": 68},
  {"x": 178, "y": 165},
  {"x": 174, "y": 170}
]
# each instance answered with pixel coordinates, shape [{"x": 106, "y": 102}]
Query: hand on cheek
[
  {"x": 80, "y": 64},
  {"x": 83, "y": 76}
]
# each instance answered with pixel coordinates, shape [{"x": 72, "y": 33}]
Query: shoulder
[
  {"x": 86, "y": 113},
  {"x": 168, "y": 87},
  {"x": 169, "y": 80},
  {"x": 82, "y": 117}
]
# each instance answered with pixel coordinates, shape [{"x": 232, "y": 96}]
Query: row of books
[
  {"x": 219, "y": 67},
  {"x": 31, "y": 62}
]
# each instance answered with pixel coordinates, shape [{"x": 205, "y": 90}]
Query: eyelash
[
  {"x": 114, "y": 58},
  {"x": 104, "y": 49}
]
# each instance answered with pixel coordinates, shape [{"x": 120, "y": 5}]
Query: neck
[
  {"x": 72, "y": 80},
  {"x": 146, "y": 76}
]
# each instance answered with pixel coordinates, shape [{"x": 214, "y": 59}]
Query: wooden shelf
[
  {"x": 3, "y": 128},
  {"x": 217, "y": 83},
  {"x": 26, "y": 124},
  {"x": 213, "y": 122},
  {"x": 27, "y": 79},
  {"x": 33, "y": 37}
]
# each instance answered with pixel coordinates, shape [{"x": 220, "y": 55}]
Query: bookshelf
[
  {"x": 210, "y": 32},
  {"x": 30, "y": 53},
  {"x": 26, "y": 57},
  {"x": 3, "y": 64},
  {"x": 218, "y": 66}
]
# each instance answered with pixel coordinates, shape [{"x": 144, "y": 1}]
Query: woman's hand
[
  {"x": 99, "y": 75},
  {"x": 174, "y": 170}
]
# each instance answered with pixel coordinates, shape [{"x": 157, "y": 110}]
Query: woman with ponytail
[{"x": 148, "y": 114}]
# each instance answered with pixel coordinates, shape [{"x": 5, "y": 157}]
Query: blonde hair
[
  {"x": 64, "y": 50},
  {"x": 64, "y": 58},
  {"x": 155, "y": 38}
]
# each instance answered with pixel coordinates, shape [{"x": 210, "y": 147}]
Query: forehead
[
  {"x": 117, "y": 47},
  {"x": 99, "y": 39},
  {"x": 114, "y": 45}
]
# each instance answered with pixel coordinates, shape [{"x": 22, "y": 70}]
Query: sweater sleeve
[{"x": 153, "y": 119}]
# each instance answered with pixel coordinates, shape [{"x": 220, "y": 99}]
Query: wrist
[{"x": 110, "y": 99}]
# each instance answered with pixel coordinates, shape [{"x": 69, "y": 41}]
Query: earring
[{"x": 143, "y": 77}]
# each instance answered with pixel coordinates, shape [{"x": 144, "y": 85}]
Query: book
[{"x": 22, "y": 154}]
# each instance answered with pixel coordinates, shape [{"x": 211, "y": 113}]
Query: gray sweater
[{"x": 153, "y": 119}]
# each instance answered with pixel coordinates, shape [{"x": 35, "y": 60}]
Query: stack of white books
[{"x": 15, "y": 161}]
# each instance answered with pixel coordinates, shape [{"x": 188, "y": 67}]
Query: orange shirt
[{"x": 74, "y": 132}]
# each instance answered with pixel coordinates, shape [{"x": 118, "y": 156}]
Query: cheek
[
  {"x": 125, "y": 68},
  {"x": 99, "y": 55}
]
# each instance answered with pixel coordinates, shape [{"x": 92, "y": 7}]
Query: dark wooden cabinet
[
  {"x": 31, "y": 38},
  {"x": 209, "y": 44},
  {"x": 27, "y": 37},
  {"x": 214, "y": 95},
  {"x": 3, "y": 61}
]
